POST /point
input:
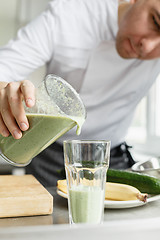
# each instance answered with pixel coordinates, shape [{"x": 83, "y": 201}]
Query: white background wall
[
  {"x": 8, "y": 7},
  {"x": 35, "y": 7},
  {"x": 15, "y": 13}
]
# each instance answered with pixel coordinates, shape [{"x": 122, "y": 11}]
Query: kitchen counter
[{"x": 114, "y": 219}]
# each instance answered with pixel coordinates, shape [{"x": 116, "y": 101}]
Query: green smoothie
[
  {"x": 43, "y": 130},
  {"x": 86, "y": 204}
]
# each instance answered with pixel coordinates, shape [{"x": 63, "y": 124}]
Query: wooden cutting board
[{"x": 23, "y": 196}]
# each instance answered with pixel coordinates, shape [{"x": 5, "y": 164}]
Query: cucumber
[{"x": 143, "y": 182}]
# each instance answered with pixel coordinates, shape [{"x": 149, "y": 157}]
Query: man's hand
[{"x": 12, "y": 115}]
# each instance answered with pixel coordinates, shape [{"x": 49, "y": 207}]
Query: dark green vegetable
[{"x": 143, "y": 182}]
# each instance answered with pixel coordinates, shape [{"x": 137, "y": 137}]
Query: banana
[
  {"x": 62, "y": 185},
  {"x": 114, "y": 191},
  {"x": 123, "y": 192}
]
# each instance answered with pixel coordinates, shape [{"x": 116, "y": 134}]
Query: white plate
[{"x": 120, "y": 204}]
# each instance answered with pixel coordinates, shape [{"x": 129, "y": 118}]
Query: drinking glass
[{"x": 86, "y": 164}]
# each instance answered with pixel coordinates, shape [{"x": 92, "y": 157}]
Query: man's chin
[{"x": 125, "y": 55}]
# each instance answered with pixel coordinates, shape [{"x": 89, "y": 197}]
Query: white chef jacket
[{"x": 76, "y": 40}]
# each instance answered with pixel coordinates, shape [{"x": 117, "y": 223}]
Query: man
[{"x": 99, "y": 47}]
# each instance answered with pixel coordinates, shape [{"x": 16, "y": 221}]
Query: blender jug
[{"x": 58, "y": 108}]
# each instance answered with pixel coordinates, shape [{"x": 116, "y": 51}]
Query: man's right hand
[{"x": 13, "y": 119}]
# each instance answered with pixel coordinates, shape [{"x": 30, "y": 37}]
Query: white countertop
[
  {"x": 115, "y": 230},
  {"x": 133, "y": 223}
]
